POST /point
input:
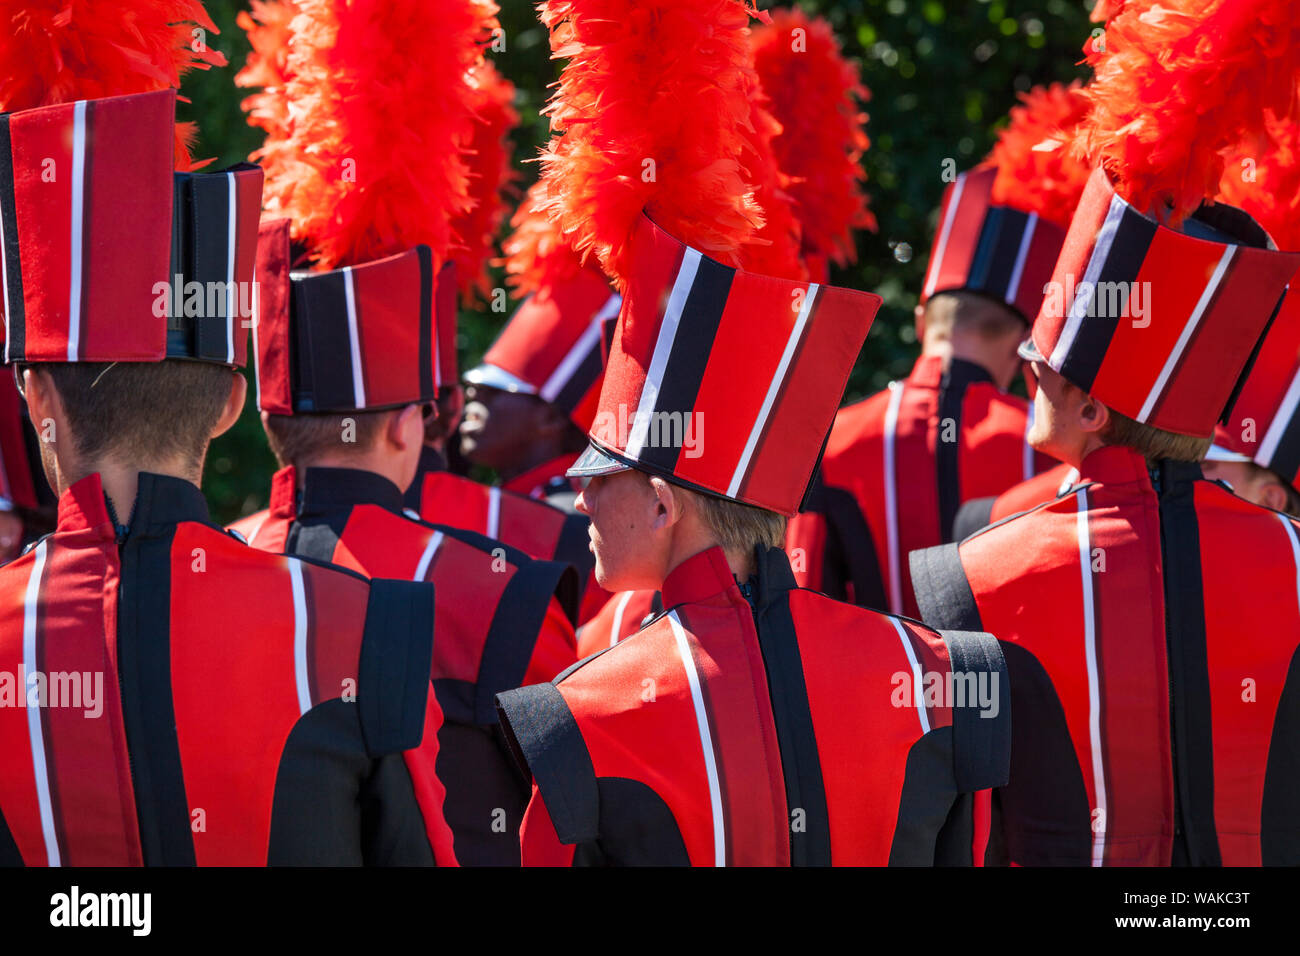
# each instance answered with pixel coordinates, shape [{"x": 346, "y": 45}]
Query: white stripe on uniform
[
  {"x": 917, "y": 692},
  {"x": 1094, "y": 688},
  {"x": 706, "y": 740},
  {"x": 300, "y": 636},
  {"x": 891, "y": 498},
  {"x": 31, "y": 610}
]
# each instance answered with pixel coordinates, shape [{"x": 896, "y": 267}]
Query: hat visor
[
  {"x": 499, "y": 378},
  {"x": 593, "y": 463},
  {"x": 1029, "y": 351},
  {"x": 1219, "y": 453}
]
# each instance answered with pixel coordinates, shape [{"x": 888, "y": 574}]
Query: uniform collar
[
  {"x": 324, "y": 491},
  {"x": 929, "y": 372},
  {"x": 161, "y": 503},
  {"x": 533, "y": 482},
  {"x": 1117, "y": 465},
  {"x": 707, "y": 575}
]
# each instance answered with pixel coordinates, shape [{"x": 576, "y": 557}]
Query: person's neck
[
  {"x": 693, "y": 541},
  {"x": 122, "y": 480},
  {"x": 966, "y": 348},
  {"x": 387, "y": 466}
]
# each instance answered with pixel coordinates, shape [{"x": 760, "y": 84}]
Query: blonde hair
[
  {"x": 1153, "y": 443},
  {"x": 739, "y": 528}
]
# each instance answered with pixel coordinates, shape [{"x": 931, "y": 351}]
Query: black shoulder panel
[
  {"x": 971, "y": 516},
  {"x": 396, "y": 656},
  {"x": 942, "y": 592},
  {"x": 981, "y": 734},
  {"x": 1279, "y": 835}
]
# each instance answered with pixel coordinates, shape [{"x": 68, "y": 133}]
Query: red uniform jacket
[
  {"x": 540, "y": 528},
  {"x": 1150, "y": 623},
  {"x": 1044, "y": 486},
  {"x": 620, "y": 618},
  {"x": 767, "y": 725},
  {"x": 897, "y": 466},
  {"x": 247, "y": 708},
  {"x": 501, "y": 623}
]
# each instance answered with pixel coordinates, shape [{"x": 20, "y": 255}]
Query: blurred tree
[{"x": 942, "y": 75}]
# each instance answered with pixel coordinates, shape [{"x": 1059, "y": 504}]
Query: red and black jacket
[
  {"x": 1150, "y": 621},
  {"x": 503, "y": 620},
  {"x": 537, "y": 527},
  {"x": 896, "y": 468},
  {"x": 620, "y": 618},
  {"x": 981, "y": 512},
  {"x": 279, "y": 740},
  {"x": 758, "y": 726}
]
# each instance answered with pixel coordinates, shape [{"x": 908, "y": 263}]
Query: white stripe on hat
[
  {"x": 891, "y": 498},
  {"x": 1081, "y": 303},
  {"x": 354, "y": 341},
  {"x": 588, "y": 340},
  {"x": 654, "y": 375},
  {"x": 1026, "y": 239},
  {"x": 300, "y": 636},
  {"x": 257, "y": 320},
  {"x": 778, "y": 379},
  {"x": 917, "y": 683},
  {"x": 941, "y": 245},
  {"x": 1185, "y": 336},
  {"x": 706, "y": 740},
  {"x": 36, "y": 738},
  {"x": 78, "y": 201},
  {"x": 430, "y": 549},
  {"x": 1281, "y": 419},
  {"x": 232, "y": 298},
  {"x": 1094, "y": 689}
]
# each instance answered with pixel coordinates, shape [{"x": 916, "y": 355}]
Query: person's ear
[
  {"x": 668, "y": 504},
  {"x": 43, "y": 402},
  {"x": 1093, "y": 415},
  {"x": 1273, "y": 494},
  {"x": 402, "y": 424},
  {"x": 918, "y": 319},
  {"x": 234, "y": 404}
]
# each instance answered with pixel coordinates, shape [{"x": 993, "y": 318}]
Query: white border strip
[
  {"x": 778, "y": 379},
  {"x": 654, "y": 375},
  {"x": 706, "y": 740},
  {"x": 891, "y": 498},
  {"x": 78, "y": 212},
  {"x": 1281, "y": 419},
  {"x": 1082, "y": 303},
  {"x": 430, "y": 550},
  {"x": 232, "y": 295},
  {"x": 618, "y": 617},
  {"x": 1188, "y": 328},
  {"x": 354, "y": 341},
  {"x": 494, "y": 512},
  {"x": 588, "y": 340},
  {"x": 1017, "y": 271},
  {"x": 1094, "y": 689},
  {"x": 300, "y": 636},
  {"x": 917, "y": 690},
  {"x": 941, "y": 244},
  {"x": 1028, "y": 463},
  {"x": 1295, "y": 550},
  {"x": 31, "y": 608}
]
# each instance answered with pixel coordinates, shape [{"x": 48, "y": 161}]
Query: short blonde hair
[
  {"x": 739, "y": 528},
  {"x": 1153, "y": 443}
]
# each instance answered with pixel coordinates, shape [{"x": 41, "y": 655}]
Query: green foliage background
[{"x": 942, "y": 76}]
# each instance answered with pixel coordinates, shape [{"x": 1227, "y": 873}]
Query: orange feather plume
[
  {"x": 775, "y": 250},
  {"x": 1262, "y": 177},
  {"x": 536, "y": 255},
  {"x": 268, "y": 32},
  {"x": 1178, "y": 82},
  {"x": 492, "y": 177},
  {"x": 653, "y": 112},
  {"x": 815, "y": 94},
  {"x": 1035, "y": 172},
  {"x": 370, "y": 153},
  {"x": 59, "y": 51}
]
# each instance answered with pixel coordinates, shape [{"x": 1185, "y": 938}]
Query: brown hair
[
  {"x": 297, "y": 439},
  {"x": 142, "y": 411},
  {"x": 985, "y": 316},
  {"x": 1153, "y": 443}
]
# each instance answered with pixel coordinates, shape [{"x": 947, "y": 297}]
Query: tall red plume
[
  {"x": 1178, "y": 82},
  {"x": 652, "y": 112},
  {"x": 492, "y": 177},
  {"x": 536, "y": 254},
  {"x": 267, "y": 67},
  {"x": 1035, "y": 172},
  {"x": 371, "y": 159},
  {"x": 776, "y": 248},
  {"x": 59, "y": 51},
  {"x": 1262, "y": 177},
  {"x": 815, "y": 94}
]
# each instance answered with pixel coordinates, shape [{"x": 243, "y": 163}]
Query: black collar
[
  {"x": 961, "y": 374},
  {"x": 327, "y": 490},
  {"x": 161, "y": 503},
  {"x": 772, "y": 576}
]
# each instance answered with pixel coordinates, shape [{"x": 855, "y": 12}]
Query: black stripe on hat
[
  {"x": 1197, "y": 841},
  {"x": 581, "y": 380},
  {"x": 425, "y": 256},
  {"x": 322, "y": 365},
  {"x": 996, "y": 251},
  {"x": 1286, "y": 457},
  {"x": 207, "y": 260},
  {"x": 691, "y": 348},
  {"x": 1127, "y": 251},
  {"x": 12, "y": 253}
]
